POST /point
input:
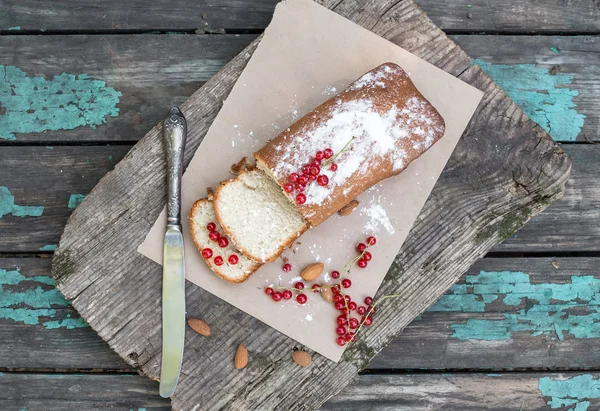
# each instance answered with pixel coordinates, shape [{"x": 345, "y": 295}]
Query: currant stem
[{"x": 385, "y": 297}]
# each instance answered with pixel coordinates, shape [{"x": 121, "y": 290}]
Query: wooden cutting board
[{"x": 504, "y": 170}]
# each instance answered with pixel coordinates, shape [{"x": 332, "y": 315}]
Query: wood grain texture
[
  {"x": 153, "y": 71},
  {"x": 448, "y": 392},
  {"x": 504, "y": 170},
  {"x": 429, "y": 342},
  {"x": 150, "y": 71},
  {"x": 506, "y": 16},
  {"x": 69, "y": 392}
]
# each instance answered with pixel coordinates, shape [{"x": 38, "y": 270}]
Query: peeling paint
[
  {"x": 34, "y": 300},
  {"x": 75, "y": 200},
  {"x": 574, "y": 393},
  {"x": 48, "y": 247},
  {"x": 550, "y": 309},
  {"x": 543, "y": 96},
  {"x": 67, "y": 101},
  {"x": 8, "y": 206},
  {"x": 15, "y": 28}
]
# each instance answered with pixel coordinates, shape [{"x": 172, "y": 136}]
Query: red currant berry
[
  {"x": 213, "y": 235},
  {"x": 335, "y": 288},
  {"x": 346, "y": 283},
  {"x": 316, "y": 288},
  {"x": 233, "y": 259},
  {"x": 218, "y": 260},
  {"x": 371, "y": 240},
  {"x": 352, "y": 306},
  {"x": 299, "y": 285},
  {"x": 350, "y": 336},
  {"x": 277, "y": 296},
  {"x": 223, "y": 242},
  {"x": 347, "y": 298},
  {"x": 211, "y": 226},
  {"x": 315, "y": 170},
  {"x": 368, "y": 300},
  {"x": 360, "y": 247},
  {"x": 372, "y": 310},
  {"x": 311, "y": 177},
  {"x": 207, "y": 253},
  {"x": 300, "y": 198},
  {"x": 316, "y": 163},
  {"x": 339, "y": 305},
  {"x": 333, "y": 167},
  {"x": 323, "y": 180},
  {"x": 342, "y": 320},
  {"x": 353, "y": 323},
  {"x": 362, "y": 263},
  {"x": 300, "y": 187},
  {"x": 338, "y": 297},
  {"x": 301, "y": 298},
  {"x": 303, "y": 179},
  {"x": 293, "y": 178},
  {"x": 287, "y": 294},
  {"x": 335, "y": 274},
  {"x": 340, "y": 330},
  {"x": 367, "y": 256},
  {"x": 320, "y": 155},
  {"x": 341, "y": 341},
  {"x": 268, "y": 291},
  {"x": 306, "y": 169},
  {"x": 361, "y": 310},
  {"x": 367, "y": 321},
  {"x": 287, "y": 267},
  {"x": 328, "y": 153},
  {"x": 288, "y": 188}
]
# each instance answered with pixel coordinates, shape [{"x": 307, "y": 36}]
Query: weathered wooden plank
[
  {"x": 39, "y": 328},
  {"x": 571, "y": 224},
  {"x": 40, "y": 186},
  {"x": 70, "y": 392},
  {"x": 520, "y": 325},
  {"x": 114, "y": 15},
  {"x": 504, "y": 163},
  {"x": 451, "y": 392},
  {"x": 133, "y": 78},
  {"x": 532, "y": 313},
  {"x": 153, "y": 71},
  {"x": 506, "y": 16},
  {"x": 556, "y": 80}
]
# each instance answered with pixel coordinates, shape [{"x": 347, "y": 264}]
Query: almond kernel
[
  {"x": 241, "y": 357},
  {"x": 312, "y": 271},
  {"x": 348, "y": 208},
  {"x": 302, "y": 358},
  {"x": 199, "y": 326}
]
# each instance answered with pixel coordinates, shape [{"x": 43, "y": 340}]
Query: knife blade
[{"x": 173, "y": 289}]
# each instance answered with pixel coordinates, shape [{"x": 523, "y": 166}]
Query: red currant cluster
[
  {"x": 311, "y": 171},
  {"x": 347, "y": 324},
  {"x": 222, "y": 241}
]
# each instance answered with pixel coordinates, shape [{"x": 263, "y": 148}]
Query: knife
[{"x": 173, "y": 292}]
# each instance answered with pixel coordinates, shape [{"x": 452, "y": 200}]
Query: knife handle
[{"x": 174, "y": 135}]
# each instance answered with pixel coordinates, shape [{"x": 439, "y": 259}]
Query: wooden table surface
[{"x": 519, "y": 332}]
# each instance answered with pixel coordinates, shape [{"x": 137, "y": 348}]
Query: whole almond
[
  {"x": 348, "y": 208},
  {"x": 326, "y": 293},
  {"x": 241, "y": 357},
  {"x": 199, "y": 326},
  {"x": 312, "y": 271},
  {"x": 302, "y": 358}
]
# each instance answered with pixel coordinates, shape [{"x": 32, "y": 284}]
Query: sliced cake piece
[
  {"x": 234, "y": 269},
  {"x": 257, "y": 216}
]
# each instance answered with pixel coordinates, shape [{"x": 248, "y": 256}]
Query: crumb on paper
[{"x": 555, "y": 264}]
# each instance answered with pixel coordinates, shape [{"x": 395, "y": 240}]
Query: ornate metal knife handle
[{"x": 174, "y": 135}]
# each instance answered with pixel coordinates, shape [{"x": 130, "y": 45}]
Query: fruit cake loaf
[
  {"x": 372, "y": 130},
  {"x": 226, "y": 262}
]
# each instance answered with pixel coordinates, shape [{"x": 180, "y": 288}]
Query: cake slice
[
  {"x": 258, "y": 217},
  {"x": 202, "y": 214}
]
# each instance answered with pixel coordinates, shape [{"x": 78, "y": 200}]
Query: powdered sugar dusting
[
  {"x": 374, "y": 78},
  {"x": 378, "y": 218}
]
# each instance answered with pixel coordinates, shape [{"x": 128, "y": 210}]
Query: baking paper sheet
[{"x": 308, "y": 54}]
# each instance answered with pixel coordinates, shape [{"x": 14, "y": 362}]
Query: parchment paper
[{"x": 308, "y": 54}]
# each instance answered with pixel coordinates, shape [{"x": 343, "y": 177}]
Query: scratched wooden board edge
[
  {"x": 133, "y": 79},
  {"x": 503, "y": 391},
  {"x": 458, "y": 15},
  {"x": 35, "y": 201},
  {"x": 515, "y": 195},
  {"x": 526, "y": 331}
]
